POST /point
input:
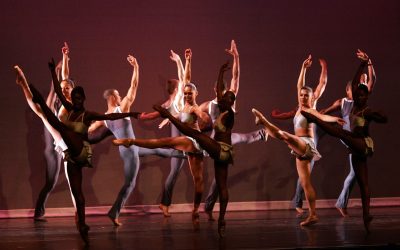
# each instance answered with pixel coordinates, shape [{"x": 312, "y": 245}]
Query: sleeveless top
[
  {"x": 300, "y": 121},
  {"x": 121, "y": 128},
  {"x": 76, "y": 125}
]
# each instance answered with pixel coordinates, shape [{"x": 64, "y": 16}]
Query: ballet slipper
[
  {"x": 311, "y": 220},
  {"x": 258, "y": 116},
  {"x": 84, "y": 232},
  {"x": 164, "y": 210},
  {"x": 221, "y": 228},
  {"x": 40, "y": 218}
]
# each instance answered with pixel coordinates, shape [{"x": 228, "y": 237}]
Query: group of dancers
[{"x": 197, "y": 131}]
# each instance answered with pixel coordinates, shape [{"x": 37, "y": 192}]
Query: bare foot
[
  {"x": 196, "y": 220},
  {"x": 343, "y": 211},
  {"x": 115, "y": 221},
  {"x": 122, "y": 142},
  {"x": 299, "y": 212},
  {"x": 210, "y": 215},
  {"x": 164, "y": 210},
  {"x": 39, "y": 219},
  {"x": 311, "y": 220},
  {"x": 258, "y": 116}
]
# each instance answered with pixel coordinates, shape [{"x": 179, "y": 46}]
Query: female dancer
[
  {"x": 302, "y": 142},
  {"x": 53, "y": 159},
  {"x": 186, "y": 107},
  {"x": 358, "y": 139},
  {"x": 74, "y": 134},
  {"x": 219, "y": 148}
]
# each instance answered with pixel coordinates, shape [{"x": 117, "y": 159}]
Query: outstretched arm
[
  {"x": 334, "y": 107},
  {"x": 57, "y": 87},
  {"x": 326, "y": 118},
  {"x": 65, "y": 62},
  {"x": 301, "y": 81},
  {"x": 376, "y": 116},
  {"x": 323, "y": 79},
  {"x": 93, "y": 116},
  {"x": 277, "y": 114},
  {"x": 131, "y": 95},
  {"x": 235, "y": 68}
]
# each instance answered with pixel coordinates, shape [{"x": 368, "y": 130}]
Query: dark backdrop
[{"x": 273, "y": 39}]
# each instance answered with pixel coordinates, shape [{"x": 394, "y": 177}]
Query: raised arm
[
  {"x": 323, "y": 79},
  {"x": 356, "y": 80},
  {"x": 57, "y": 88},
  {"x": 188, "y": 66},
  {"x": 301, "y": 81},
  {"x": 334, "y": 107},
  {"x": 65, "y": 62},
  {"x": 220, "y": 81},
  {"x": 127, "y": 101},
  {"x": 235, "y": 68},
  {"x": 179, "y": 95},
  {"x": 371, "y": 75},
  {"x": 51, "y": 97}
]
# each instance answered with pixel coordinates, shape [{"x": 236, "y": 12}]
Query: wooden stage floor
[{"x": 275, "y": 229}]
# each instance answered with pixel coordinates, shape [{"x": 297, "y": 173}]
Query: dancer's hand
[
  {"x": 132, "y": 61},
  {"x": 20, "y": 80},
  {"x": 174, "y": 57},
  {"x": 362, "y": 55},
  {"x": 233, "y": 50},
  {"x": 307, "y": 63},
  {"x": 65, "y": 49},
  {"x": 322, "y": 62},
  {"x": 163, "y": 123},
  {"x": 52, "y": 64},
  {"x": 340, "y": 121},
  {"x": 224, "y": 67},
  {"x": 163, "y": 112},
  {"x": 188, "y": 54}
]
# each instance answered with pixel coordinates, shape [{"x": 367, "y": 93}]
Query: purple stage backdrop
[{"x": 273, "y": 38}]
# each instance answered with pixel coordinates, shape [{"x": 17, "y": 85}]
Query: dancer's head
[
  {"x": 66, "y": 87},
  {"x": 229, "y": 97},
  {"x": 305, "y": 97},
  {"x": 361, "y": 95},
  {"x": 190, "y": 93},
  {"x": 78, "y": 98},
  {"x": 172, "y": 86},
  {"x": 112, "y": 96}
]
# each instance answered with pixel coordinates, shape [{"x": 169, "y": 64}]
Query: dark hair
[
  {"x": 172, "y": 84},
  {"x": 230, "y": 94},
  {"x": 363, "y": 87},
  {"x": 78, "y": 90},
  {"x": 108, "y": 92}
]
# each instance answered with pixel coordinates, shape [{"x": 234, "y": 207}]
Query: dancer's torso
[{"x": 121, "y": 128}]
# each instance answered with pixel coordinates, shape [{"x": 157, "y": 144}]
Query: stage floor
[{"x": 245, "y": 230}]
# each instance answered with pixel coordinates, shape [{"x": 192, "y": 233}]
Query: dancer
[
  {"x": 219, "y": 148},
  {"x": 344, "y": 105},
  {"x": 302, "y": 142},
  {"x": 122, "y": 128},
  {"x": 276, "y": 114},
  {"x": 358, "y": 139},
  {"x": 211, "y": 107},
  {"x": 74, "y": 134},
  {"x": 189, "y": 113}
]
